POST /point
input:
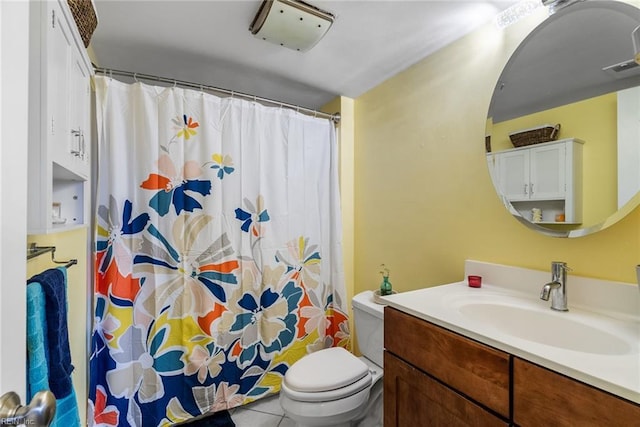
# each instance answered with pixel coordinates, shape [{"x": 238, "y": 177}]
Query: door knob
[{"x": 39, "y": 412}]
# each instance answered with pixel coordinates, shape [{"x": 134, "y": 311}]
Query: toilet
[{"x": 332, "y": 387}]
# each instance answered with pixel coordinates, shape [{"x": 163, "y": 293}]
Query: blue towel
[
  {"x": 37, "y": 369},
  {"x": 54, "y": 282},
  {"x": 38, "y": 349},
  {"x": 67, "y": 414}
]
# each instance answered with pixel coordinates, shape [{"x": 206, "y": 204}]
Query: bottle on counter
[{"x": 385, "y": 286}]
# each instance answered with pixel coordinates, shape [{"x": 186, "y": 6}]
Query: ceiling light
[
  {"x": 556, "y": 5},
  {"x": 516, "y": 12},
  {"x": 291, "y": 23}
]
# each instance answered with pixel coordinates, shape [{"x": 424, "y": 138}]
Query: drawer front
[
  {"x": 543, "y": 397},
  {"x": 412, "y": 398},
  {"x": 473, "y": 369}
]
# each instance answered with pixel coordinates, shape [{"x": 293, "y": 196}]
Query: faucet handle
[{"x": 558, "y": 267}]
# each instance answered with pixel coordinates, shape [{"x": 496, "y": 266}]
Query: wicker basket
[
  {"x": 85, "y": 16},
  {"x": 536, "y": 135}
]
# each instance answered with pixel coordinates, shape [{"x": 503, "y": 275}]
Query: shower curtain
[{"x": 218, "y": 252}]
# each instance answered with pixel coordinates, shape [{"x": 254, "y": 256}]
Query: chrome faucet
[{"x": 557, "y": 288}]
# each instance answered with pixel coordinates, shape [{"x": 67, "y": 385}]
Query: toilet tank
[{"x": 369, "y": 324}]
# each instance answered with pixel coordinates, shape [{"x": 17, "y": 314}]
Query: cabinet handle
[
  {"x": 525, "y": 189},
  {"x": 531, "y": 187},
  {"x": 82, "y": 146},
  {"x": 77, "y": 151}
]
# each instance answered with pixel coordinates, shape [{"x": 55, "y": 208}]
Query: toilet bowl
[{"x": 332, "y": 387}]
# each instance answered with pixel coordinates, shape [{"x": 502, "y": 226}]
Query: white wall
[{"x": 14, "y": 74}]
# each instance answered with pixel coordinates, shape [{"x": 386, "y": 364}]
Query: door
[{"x": 14, "y": 118}]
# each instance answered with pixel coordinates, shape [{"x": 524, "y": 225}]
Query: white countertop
[{"x": 604, "y": 307}]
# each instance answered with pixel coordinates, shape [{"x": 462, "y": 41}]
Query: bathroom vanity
[{"x": 460, "y": 356}]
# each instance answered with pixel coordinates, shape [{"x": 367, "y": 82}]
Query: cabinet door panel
[
  {"x": 414, "y": 399},
  {"x": 57, "y": 83},
  {"x": 513, "y": 173},
  {"x": 548, "y": 169},
  {"x": 545, "y": 398},
  {"x": 79, "y": 115},
  {"x": 474, "y": 369}
]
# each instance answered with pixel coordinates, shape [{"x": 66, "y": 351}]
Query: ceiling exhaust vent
[
  {"x": 621, "y": 69},
  {"x": 291, "y": 23}
]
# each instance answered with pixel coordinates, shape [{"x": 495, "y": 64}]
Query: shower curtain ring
[{"x": 135, "y": 77}]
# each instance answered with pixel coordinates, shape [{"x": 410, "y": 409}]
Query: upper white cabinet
[
  {"x": 59, "y": 128},
  {"x": 544, "y": 176}
]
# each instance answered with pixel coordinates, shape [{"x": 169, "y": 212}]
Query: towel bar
[{"x": 34, "y": 251}]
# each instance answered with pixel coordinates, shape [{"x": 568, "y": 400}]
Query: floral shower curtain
[{"x": 218, "y": 252}]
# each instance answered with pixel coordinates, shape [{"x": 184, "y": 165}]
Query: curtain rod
[{"x": 110, "y": 72}]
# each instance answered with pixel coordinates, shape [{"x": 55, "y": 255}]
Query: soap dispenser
[{"x": 385, "y": 286}]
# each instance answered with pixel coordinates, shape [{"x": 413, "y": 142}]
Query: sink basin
[{"x": 545, "y": 327}]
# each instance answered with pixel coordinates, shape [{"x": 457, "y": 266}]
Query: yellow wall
[
  {"x": 424, "y": 201},
  {"x": 70, "y": 244},
  {"x": 600, "y": 157}
]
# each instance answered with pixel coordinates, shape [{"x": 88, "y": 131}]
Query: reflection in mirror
[{"x": 575, "y": 69}]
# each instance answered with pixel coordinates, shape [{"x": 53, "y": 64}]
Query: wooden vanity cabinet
[
  {"x": 546, "y": 398},
  {"x": 436, "y": 377}
]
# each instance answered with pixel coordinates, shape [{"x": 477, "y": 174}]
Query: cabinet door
[
  {"x": 414, "y": 399},
  {"x": 79, "y": 99},
  {"x": 544, "y": 398},
  {"x": 473, "y": 369},
  {"x": 513, "y": 174},
  {"x": 548, "y": 171},
  {"x": 66, "y": 81},
  {"x": 56, "y": 83}
]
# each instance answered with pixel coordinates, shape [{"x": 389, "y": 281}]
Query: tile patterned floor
[{"x": 263, "y": 413}]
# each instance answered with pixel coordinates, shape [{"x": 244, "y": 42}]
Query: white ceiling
[{"x": 208, "y": 42}]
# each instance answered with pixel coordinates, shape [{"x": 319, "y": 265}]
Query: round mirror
[{"x": 563, "y": 128}]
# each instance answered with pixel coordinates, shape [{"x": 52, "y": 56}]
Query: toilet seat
[
  {"x": 326, "y": 375},
  {"x": 328, "y": 395}
]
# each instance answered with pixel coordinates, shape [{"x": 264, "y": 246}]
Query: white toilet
[{"x": 332, "y": 387}]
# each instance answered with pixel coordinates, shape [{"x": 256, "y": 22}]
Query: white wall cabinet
[
  {"x": 59, "y": 128},
  {"x": 546, "y": 176}
]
